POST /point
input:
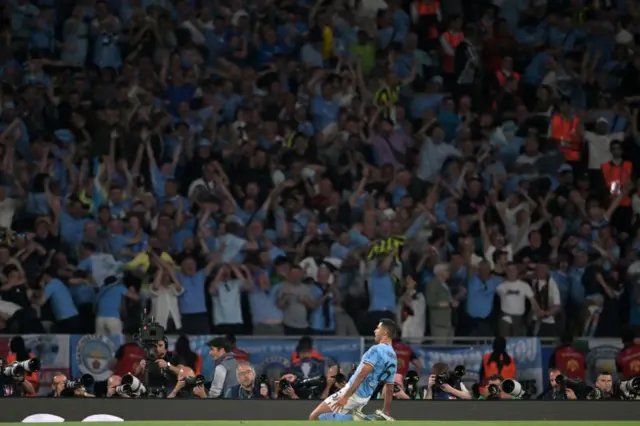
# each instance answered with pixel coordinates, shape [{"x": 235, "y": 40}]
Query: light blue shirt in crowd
[
  {"x": 109, "y": 300},
  {"x": 317, "y": 318},
  {"x": 61, "y": 302},
  {"x": 263, "y": 306},
  {"x": 480, "y": 296},
  {"x": 192, "y": 300},
  {"x": 382, "y": 295}
]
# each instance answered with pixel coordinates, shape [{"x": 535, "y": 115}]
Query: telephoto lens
[
  {"x": 493, "y": 389},
  {"x": 631, "y": 386}
]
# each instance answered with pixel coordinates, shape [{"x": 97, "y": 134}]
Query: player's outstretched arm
[
  {"x": 362, "y": 375},
  {"x": 387, "y": 395}
]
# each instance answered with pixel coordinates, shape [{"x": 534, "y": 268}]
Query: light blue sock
[{"x": 334, "y": 417}]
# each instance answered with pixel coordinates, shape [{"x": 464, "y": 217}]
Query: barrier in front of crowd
[
  {"x": 75, "y": 355},
  {"x": 77, "y": 409}
]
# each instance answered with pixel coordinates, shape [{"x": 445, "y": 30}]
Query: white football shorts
[{"x": 354, "y": 403}]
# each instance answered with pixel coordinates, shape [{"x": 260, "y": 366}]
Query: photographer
[
  {"x": 444, "y": 384},
  {"x": 164, "y": 368},
  {"x": 284, "y": 387},
  {"x": 188, "y": 385},
  {"x": 113, "y": 385},
  {"x": 561, "y": 388},
  {"x": 247, "y": 388},
  {"x": 64, "y": 388},
  {"x": 335, "y": 381},
  {"x": 493, "y": 390},
  {"x": 225, "y": 366},
  {"x": 603, "y": 388},
  {"x": 13, "y": 382},
  {"x": 19, "y": 352}
]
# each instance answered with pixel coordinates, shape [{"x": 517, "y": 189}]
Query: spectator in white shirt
[
  {"x": 412, "y": 310},
  {"x": 165, "y": 290},
  {"x": 514, "y": 294},
  {"x": 226, "y": 288},
  {"x": 547, "y": 296}
]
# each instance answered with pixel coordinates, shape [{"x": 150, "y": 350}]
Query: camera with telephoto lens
[
  {"x": 193, "y": 381},
  {"x": 411, "y": 384},
  {"x": 19, "y": 369},
  {"x": 565, "y": 383},
  {"x": 306, "y": 388},
  {"x": 596, "y": 394},
  {"x": 514, "y": 389},
  {"x": 131, "y": 386},
  {"x": 452, "y": 378},
  {"x": 630, "y": 389},
  {"x": 85, "y": 381},
  {"x": 493, "y": 389}
]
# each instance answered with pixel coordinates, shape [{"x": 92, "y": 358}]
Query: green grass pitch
[{"x": 297, "y": 423}]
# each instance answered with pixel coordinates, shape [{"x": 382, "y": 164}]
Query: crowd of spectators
[{"x": 291, "y": 167}]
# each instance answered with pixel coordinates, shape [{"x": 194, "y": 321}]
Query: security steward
[
  {"x": 497, "y": 363},
  {"x": 617, "y": 175},
  {"x": 18, "y": 352},
  {"x": 564, "y": 131},
  {"x": 306, "y": 362}
]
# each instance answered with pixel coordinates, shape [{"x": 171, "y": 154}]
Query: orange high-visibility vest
[
  {"x": 616, "y": 176},
  {"x": 565, "y": 132},
  {"x": 431, "y": 9},
  {"x": 32, "y": 378},
  {"x": 295, "y": 357},
  {"x": 428, "y": 8},
  {"x": 500, "y": 75},
  {"x": 448, "y": 64},
  {"x": 491, "y": 369}
]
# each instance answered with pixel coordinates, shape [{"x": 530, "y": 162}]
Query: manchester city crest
[{"x": 93, "y": 354}]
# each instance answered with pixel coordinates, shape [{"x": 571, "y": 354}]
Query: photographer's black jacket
[{"x": 162, "y": 377}]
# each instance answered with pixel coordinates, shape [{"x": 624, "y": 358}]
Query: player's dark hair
[{"x": 390, "y": 326}]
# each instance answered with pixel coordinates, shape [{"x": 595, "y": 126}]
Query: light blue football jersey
[{"x": 385, "y": 365}]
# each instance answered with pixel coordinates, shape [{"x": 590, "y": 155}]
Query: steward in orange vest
[
  {"x": 565, "y": 132},
  {"x": 429, "y": 16},
  {"x": 497, "y": 363},
  {"x": 617, "y": 174},
  {"x": 449, "y": 41}
]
